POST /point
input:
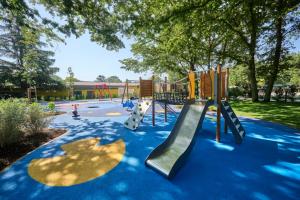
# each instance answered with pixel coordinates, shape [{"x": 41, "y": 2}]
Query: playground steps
[
  {"x": 233, "y": 122},
  {"x": 137, "y": 114}
]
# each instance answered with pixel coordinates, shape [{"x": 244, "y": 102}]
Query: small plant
[
  {"x": 12, "y": 120},
  {"x": 35, "y": 119},
  {"x": 51, "y": 107},
  {"x": 52, "y": 99}
]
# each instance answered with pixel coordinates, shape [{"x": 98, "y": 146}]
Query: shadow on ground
[{"x": 265, "y": 166}]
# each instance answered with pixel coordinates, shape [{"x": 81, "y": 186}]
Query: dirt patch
[{"x": 11, "y": 153}]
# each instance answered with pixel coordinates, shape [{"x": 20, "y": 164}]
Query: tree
[
  {"x": 176, "y": 40},
  {"x": 95, "y": 16},
  {"x": 216, "y": 32},
  {"x": 23, "y": 60},
  {"x": 113, "y": 79},
  {"x": 101, "y": 78},
  {"x": 70, "y": 79},
  {"x": 285, "y": 23},
  {"x": 291, "y": 73}
]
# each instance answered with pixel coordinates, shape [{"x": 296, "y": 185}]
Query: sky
[{"x": 88, "y": 60}]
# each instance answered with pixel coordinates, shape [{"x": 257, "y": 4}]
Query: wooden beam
[
  {"x": 226, "y": 97},
  {"x": 191, "y": 85},
  {"x": 218, "y": 130},
  {"x": 153, "y": 103},
  {"x": 165, "y": 105}
]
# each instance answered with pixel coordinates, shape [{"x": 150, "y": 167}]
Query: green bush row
[{"x": 18, "y": 118}]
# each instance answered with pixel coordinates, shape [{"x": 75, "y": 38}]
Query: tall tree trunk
[
  {"x": 252, "y": 51},
  {"x": 276, "y": 59},
  {"x": 252, "y": 76}
]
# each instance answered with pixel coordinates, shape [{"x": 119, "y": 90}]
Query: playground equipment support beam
[
  {"x": 153, "y": 102},
  {"x": 218, "y": 103},
  {"x": 226, "y": 96},
  {"x": 165, "y": 104},
  {"x": 192, "y": 85}
]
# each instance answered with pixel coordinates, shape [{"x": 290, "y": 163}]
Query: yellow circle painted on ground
[
  {"x": 84, "y": 160},
  {"x": 113, "y": 114}
]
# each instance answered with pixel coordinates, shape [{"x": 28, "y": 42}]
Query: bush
[
  {"x": 235, "y": 92},
  {"x": 279, "y": 93},
  {"x": 51, "y": 106},
  {"x": 12, "y": 120},
  {"x": 52, "y": 98},
  {"x": 115, "y": 96},
  {"x": 292, "y": 92},
  {"x": 36, "y": 119},
  {"x": 17, "y": 116}
]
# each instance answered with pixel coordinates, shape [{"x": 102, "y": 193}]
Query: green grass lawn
[{"x": 283, "y": 113}]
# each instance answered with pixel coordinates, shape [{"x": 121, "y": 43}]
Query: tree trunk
[
  {"x": 253, "y": 82},
  {"x": 276, "y": 59},
  {"x": 252, "y": 51}
]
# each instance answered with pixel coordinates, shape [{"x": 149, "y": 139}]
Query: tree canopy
[
  {"x": 177, "y": 36},
  {"x": 111, "y": 79}
]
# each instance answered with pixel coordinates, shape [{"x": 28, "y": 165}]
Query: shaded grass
[{"x": 284, "y": 113}]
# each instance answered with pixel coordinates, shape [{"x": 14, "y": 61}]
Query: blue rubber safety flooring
[{"x": 265, "y": 166}]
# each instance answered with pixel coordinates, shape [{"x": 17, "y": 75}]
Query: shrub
[
  {"x": 279, "y": 93},
  {"x": 12, "y": 120},
  {"x": 235, "y": 92},
  {"x": 52, "y": 98},
  {"x": 51, "y": 106},
  {"x": 292, "y": 92},
  {"x": 35, "y": 118}
]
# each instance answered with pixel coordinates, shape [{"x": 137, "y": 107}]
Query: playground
[
  {"x": 158, "y": 100},
  {"x": 155, "y": 150},
  {"x": 265, "y": 166}
]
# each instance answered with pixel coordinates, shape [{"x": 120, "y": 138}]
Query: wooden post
[
  {"x": 191, "y": 85},
  {"x": 140, "y": 95},
  {"x": 153, "y": 102},
  {"x": 165, "y": 105},
  {"x": 203, "y": 86},
  {"x": 123, "y": 95},
  {"x": 35, "y": 91},
  {"x": 127, "y": 88},
  {"x": 226, "y": 97},
  {"x": 218, "y": 87},
  {"x": 165, "y": 85}
]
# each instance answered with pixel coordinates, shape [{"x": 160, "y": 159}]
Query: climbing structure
[
  {"x": 103, "y": 89},
  {"x": 137, "y": 114},
  {"x": 145, "y": 102},
  {"x": 212, "y": 90}
]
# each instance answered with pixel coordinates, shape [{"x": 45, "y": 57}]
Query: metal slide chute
[{"x": 170, "y": 155}]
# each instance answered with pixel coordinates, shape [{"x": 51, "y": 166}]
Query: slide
[
  {"x": 169, "y": 156},
  {"x": 137, "y": 114}
]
